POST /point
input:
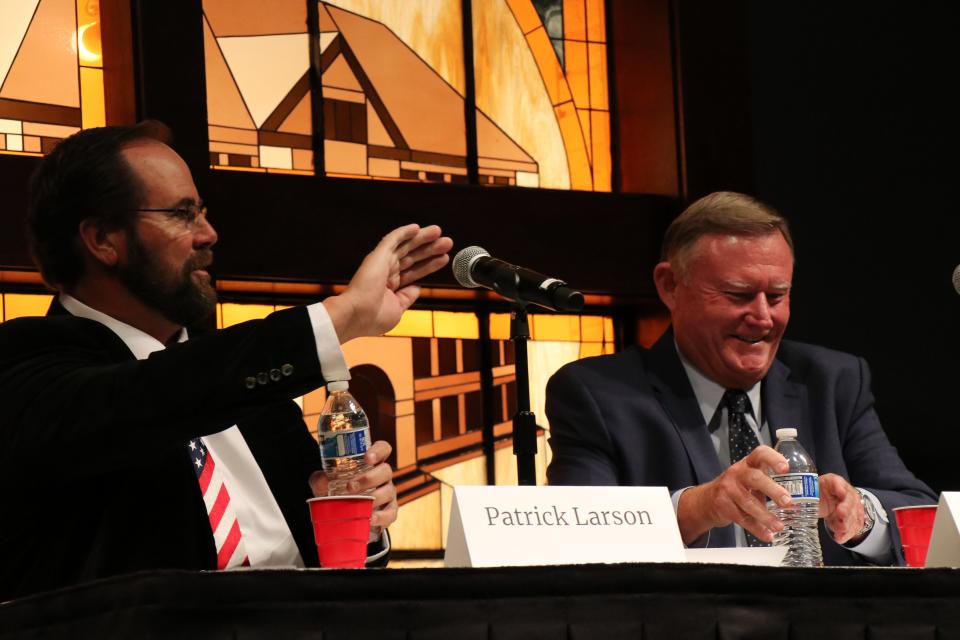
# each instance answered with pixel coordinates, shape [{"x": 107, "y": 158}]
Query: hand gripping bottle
[
  {"x": 344, "y": 437},
  {"x": 799, "y": 535}
]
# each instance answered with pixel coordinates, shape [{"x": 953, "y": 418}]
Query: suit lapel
[
  {"x": 783, "y": 405},
  {"x": 673, "y": 390}
]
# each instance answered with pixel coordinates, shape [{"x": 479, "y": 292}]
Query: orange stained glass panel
[
  {"x": 227, "y": 134},
  {"x": 499, "y": 326},
  {"x": 451, "y": 324},
  {"x": 225, "y": 105},
  {"x": 591, "y": 328},
  {"x": 253, "y": 17},
  {"x": 300, "y": 119},
  {"x": 89, "y": 47},
  {"x": 575, "y": 61},
  {"x": 552, "y": 72},
  {"x": 598, "y": 76},
  {"x": 48, "y": 130},
  {"x": 434, "y": 120},
  {"x": 574, "y": 20},
  {"x": 93, "y": 112},
  {"x": 608, "y": 329},
  {"x": 596, "y": 21},
  {"x": 339, "y": 74},
  {"x": 580, "y": 173},
  {"x": 608, "y": 347},
  {"x": 561, "y": 328},
  {"x": 526, "y": 15},
  {"x": 45, "y": 69},
  {"x": 31, "y": 144},
  {"x": 415, "y": 323},
  {"x": 602, "y": 169},
  {"x": 345, "y": 157},
  {"x": 233, "y": 313},
  {"x": 584, "y": 116},
  {"x": 376, "y": 132},
  {"x": 303, "y": 159},
  {"x": 19, "y": 305},
  {"x": 588, "y": 349}
]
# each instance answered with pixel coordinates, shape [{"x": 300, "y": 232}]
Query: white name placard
[
  {"x": 518, "y": 526},
  {"x": 944, "y": 549}
]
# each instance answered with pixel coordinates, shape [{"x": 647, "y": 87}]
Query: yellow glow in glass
[
  {"x": 499, "y": 326},
  {"x": 92, "y": 109},
  {"x": 591, "y": 328},
  {"x": 236, "y": 313},
  {"x": 415, "y": 323},
  {"x": 18, "y": 305},
  {"x": 560, "y": 328},
  {"x": 449, "y": 324}
]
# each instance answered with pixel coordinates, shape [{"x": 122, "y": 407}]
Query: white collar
[
  {"x": 709, "y": 393},
  {"x": 140, "y": 344}
]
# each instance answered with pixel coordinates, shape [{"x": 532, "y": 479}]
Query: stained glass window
[
  {"x": 258, "y": 86},
  {"x": 541, "y": 75},
  {"x": 18, "y": 305},
  {"x": 394, "y": 89},
  {"x": 51, "y": 72}
]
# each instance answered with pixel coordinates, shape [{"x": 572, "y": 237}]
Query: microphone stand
[{"x": 524, "y": 422}]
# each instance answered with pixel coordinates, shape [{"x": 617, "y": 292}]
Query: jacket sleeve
[
  {"x": 583, "y": 452},
  {"x": 70, "y": 396}
]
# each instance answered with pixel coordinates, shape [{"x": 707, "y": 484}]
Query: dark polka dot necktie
[{"x": 743, "y": 439}]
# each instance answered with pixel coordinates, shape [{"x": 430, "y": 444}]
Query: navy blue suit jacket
[{"x": 632, "y": 419}]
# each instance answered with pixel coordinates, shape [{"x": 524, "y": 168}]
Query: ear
[
  {"x": 103, "y": 246},
  {"x": 665, "y": 278}
]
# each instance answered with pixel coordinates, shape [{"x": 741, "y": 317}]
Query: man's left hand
[
  {"x": 840, "y": 507},
  {"x": 377, "y": 481}
]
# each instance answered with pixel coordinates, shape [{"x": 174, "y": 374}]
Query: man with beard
[
  {"x": 108, "y": 408},
  {"x": 698, "y": 411}
]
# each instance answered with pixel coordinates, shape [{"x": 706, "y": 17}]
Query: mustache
[{"x": 200, "y": 260}]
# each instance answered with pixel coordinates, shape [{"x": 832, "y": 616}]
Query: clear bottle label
[
  {"x": 801, "y": 486},
  {"x": 344, "y": 444}
]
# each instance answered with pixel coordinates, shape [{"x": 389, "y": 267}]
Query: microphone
[
  {"x": 956, "y": 279},
  {"x": 473, "y": 267}
]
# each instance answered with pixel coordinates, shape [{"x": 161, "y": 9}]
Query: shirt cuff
[
  {"x": 332, "y": 364},
  {"x": 703, "y": 540},
  {"x": 875, "y": 546}
]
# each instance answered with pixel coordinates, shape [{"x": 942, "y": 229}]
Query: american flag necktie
[
  {"x": 743, "y": 439},
  {"x": 223, "y": 520}
]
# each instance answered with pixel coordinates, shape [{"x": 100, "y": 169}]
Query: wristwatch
[{"x": 869, "y": 515}]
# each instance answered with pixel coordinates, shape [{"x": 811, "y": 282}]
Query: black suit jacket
[
  {"x": 94, "y": 469},
  {"x": 632, "y": 419}
]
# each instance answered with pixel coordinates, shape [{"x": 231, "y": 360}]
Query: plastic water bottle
[
  {"x": 344, "y": 437},
  {"x": 800, "y": 534}
]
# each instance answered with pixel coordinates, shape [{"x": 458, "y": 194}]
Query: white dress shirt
[
  {"x": 266, "y": 535},
  {"x": 875, "y": 546}
]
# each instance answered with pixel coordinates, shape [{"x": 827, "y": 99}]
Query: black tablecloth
[{"x": 640, "y": 602}]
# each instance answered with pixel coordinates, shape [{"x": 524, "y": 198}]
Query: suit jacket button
[
  {"x": 275, "y": 375},
  {"x": 287, "y": 370},
  {"x": 250, "y": 382},
  {"x": 263, "y": 378}
]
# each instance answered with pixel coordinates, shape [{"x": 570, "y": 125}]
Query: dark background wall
[{"x": 852, "y": 125}]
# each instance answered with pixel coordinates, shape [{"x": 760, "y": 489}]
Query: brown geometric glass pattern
[{"x": 51, "y": 72}]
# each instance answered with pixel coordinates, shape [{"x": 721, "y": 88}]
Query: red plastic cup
[
  {"x": 341, "y": 528},
  {"x": 915, "y": 525}
]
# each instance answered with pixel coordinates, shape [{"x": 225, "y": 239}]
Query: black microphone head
[
  {"x": 462, "y": 263},
  {"x": 956, "y": 279}
]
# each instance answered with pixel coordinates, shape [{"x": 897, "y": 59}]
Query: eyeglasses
[{"x": 190, "y": 214}]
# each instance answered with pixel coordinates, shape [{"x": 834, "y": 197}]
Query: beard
[{"x": 175, "y": 294}]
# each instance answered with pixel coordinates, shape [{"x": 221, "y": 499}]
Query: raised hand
[{"x": 385, "y": 284}]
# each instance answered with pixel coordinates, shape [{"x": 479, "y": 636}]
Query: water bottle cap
[
  {"x": 788, "y": 432},
  {"x": 338, "y": 385}
]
